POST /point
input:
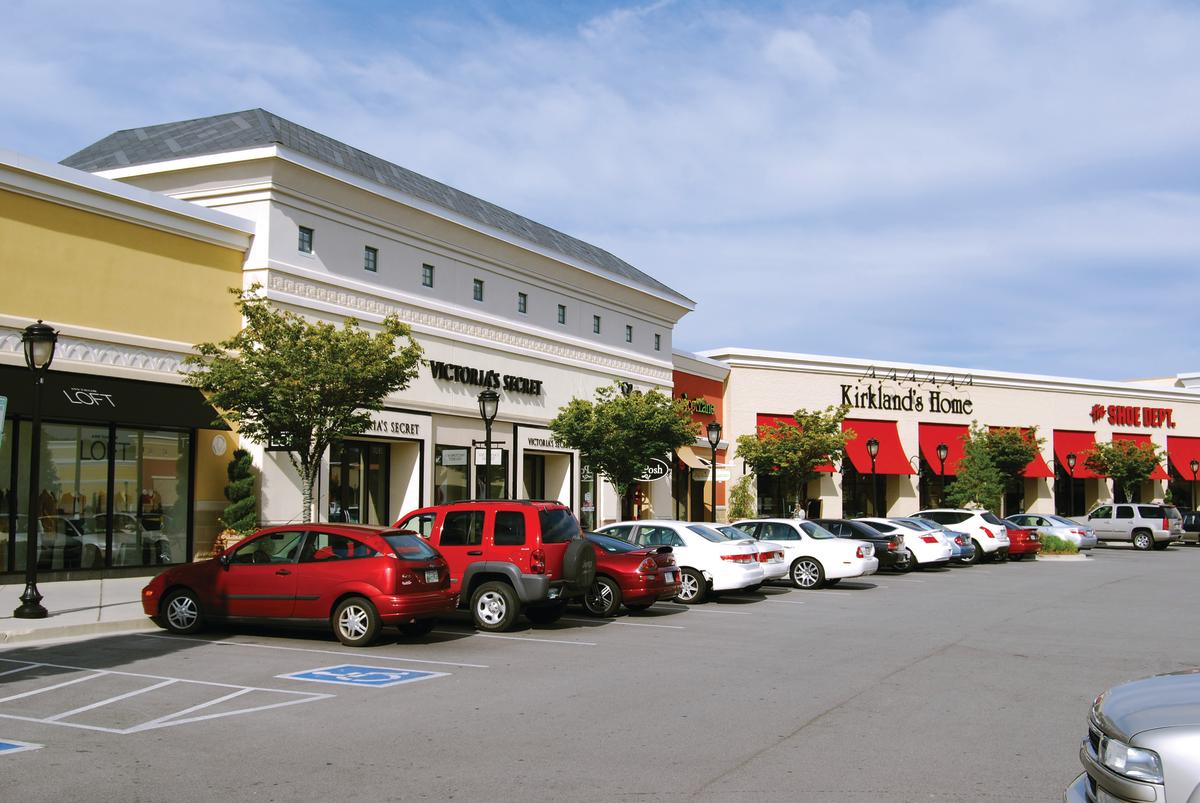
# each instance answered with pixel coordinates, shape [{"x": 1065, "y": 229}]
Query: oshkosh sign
[{"x": 911, "y": 400}]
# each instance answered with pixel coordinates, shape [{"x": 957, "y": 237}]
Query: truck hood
[{"x": 1162, "y": 701}]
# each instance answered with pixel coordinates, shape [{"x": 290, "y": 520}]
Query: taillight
[
  {"x": 648, "y": 566},
  {"x": 929, "y": 539},
  {"x": 1166, "y": 524},
  {"x": 893, "y": 545},
  {"x": 537, "y": 561},
  {"x": 767, "y": 557},
  {"x": 989, "y": 532},
  {"x": 860, "y": 552},
  {"x": 958, "y": 539},
  {"x": 738, "y": 558}
]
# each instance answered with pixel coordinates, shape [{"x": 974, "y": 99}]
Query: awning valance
[
  {"x": 1079, "y": 444},
  {"x": 889, "y": 460},
  {"x": 1037, "y": 468},
  {"x": 773, "y": 420},
  {"x": 689, "y": 457},
  {"x": 1158, "y": 473},
  {"x": 931, "y": 435},
  {"x": 1182, "y": 451}
]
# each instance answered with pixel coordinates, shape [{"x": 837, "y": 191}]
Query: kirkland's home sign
[
  {"x": 877, "y": 397},
  {"x": 448, "y": 372}
]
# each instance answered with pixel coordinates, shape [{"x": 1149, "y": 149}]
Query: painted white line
[
  {"x": 698, "y": 609},
  {"x": 790, "y": 601},
  {"x": 217, "y": 701},
  {"x": 627, "y": 624},
  {"x": 18, "y": 669},
  {"x": 152, "y": 726},
  {"x": 10, "y": 746},
  {"x": 118, "y": 698},
  {"x": 55, "y": 686},
  {"x": 148, "y": 677},
  {"x": 76, "y": 725},
  {"x": 515, "y": 638},
  {"x": 374, "y": 656}
]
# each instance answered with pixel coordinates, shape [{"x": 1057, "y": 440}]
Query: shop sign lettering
[
  {"x": 699, "y": 405},
  {"x": 879, "y": 397},
  {"x": 544, "y": 443},
  {"x": 1121, "y": 415},
  {"x": 88, "y": 397},
  {"x": 655, "y": 471},
  {"x": 448, "y": 372},
  {"x": 394, "y": 428}
]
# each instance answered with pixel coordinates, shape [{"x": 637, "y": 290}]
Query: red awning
[
  {"x": 1077, "y": 443},
  {"x": 1158, "y": 473},
  {"x": 930, "y": 435},
  {"x": 1037, "y": 468},
  {"x": 890, "y": 460},
  {"x": 1182, "y": 451},
  {"x": 773, "y": 420}
]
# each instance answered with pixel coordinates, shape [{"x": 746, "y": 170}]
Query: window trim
[
  {"x": 477, "y": 290},
  {"x": 312, "y": 238},
  {"x": 562, "y": 314},
  {"x": 628, "y": 333},
  {"x": 595, "y": 324},
  {"x": 370, "y": 259},
  {"x": 657, "y": 342},
  {"x": 523, "y": 303},
  {"x": 426, "y": 275}
]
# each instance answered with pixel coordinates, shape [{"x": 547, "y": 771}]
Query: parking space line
[
  {"x": 223, "y": 698},
  {"x": 99, "y": 674},
  {"x": 516, "y": 638},
  {"x": 10, "y": 746},
  {"x": 25, "y": 668},
  {"x": 172, "y": 721},
  {"x": 698, "y": 609},
  {"x": 118, "y": 698},
  {"x": 627, "y": 624},
  {"x": 374, "y": 656}
]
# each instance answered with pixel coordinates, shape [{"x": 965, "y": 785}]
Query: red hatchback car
[
  {"x": 1022, "y": 541},
  {"x": 356, "y": 578},
  {"x": 637, "y": 576}
]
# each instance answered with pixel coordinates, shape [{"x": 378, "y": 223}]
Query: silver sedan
[{"x": 1082, "y": 536}]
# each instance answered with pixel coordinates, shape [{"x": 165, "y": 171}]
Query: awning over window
[
  {"x": 1182, "y": 451},
  {"x": 773, "y": 420},
  {"x": 1158, "y": 473},
  {"x": 930, "y": 435},
  {"x": 890, "y": 460},
  {"x": 1037, "y": 468},
  {"x": 1078, "y": 443}
]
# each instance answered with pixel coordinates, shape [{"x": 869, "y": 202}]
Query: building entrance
[{"x": 358, "y": 482}]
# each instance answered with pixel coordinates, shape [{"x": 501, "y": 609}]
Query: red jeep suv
[{"x": 507, "y": 557}]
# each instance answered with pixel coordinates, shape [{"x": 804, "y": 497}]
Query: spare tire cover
[{"x": 579, "y": 563}]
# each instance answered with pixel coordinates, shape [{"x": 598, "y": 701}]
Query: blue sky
[{"x": 1002, "y": 184}]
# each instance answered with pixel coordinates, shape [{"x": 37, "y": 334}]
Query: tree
[
  {"x": 241, "y": 514},
  {"x": 301, "y": 384},
  {"x": 620, "y": 434},
  {"x": 742, "y": 504},
  {"x": 1010, "y": 449},
  {"x": 792, "y": 452},
  {"x": 979, "y": 482},
  {"x": 1128, "y": 463}
]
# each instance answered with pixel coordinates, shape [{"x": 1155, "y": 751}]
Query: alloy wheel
[
  {"x": 354, "y": 622},
  {"x": 599, "y": 597},
  {"x": 689, "y": 586},
  {"x": 491, "y": 608},
  {"x": 806, "y": 574},
  {"x": 182, "y": 612}
]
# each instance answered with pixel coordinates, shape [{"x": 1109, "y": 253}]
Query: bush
[
  {"x": 1053, "y": 545},
  {"x": 741, "y": 499}
]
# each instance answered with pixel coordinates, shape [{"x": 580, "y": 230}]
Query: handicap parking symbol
[
  {"x": 377, "y": 677},
  {"x": 8, "y": 747}
]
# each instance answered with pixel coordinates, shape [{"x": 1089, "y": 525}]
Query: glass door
[{"x": 358, "y": 482}]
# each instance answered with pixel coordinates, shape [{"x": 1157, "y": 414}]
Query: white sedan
[
  {"x": 928, "y": 547},
  {"x": 709, "y": 561},
  {"x": 770, "y": 554},
  {"x": 815, "y": 556}
]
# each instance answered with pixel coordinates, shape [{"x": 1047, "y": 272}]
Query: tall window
[
  {"x": 427, "y": 275},
  {"x": 522, "y": 303},
  {"x": 628, "y": 333},
  {"x": 596, "y": 324},
  {"x": 306, "y": 240},
  {"x": 658, "y": 342},
  {"x": 477, "y": 290},
  {"x": 449, "y": 474},
  {"x": 371, "y": 259},
  {"x": 562, "y": 313}
]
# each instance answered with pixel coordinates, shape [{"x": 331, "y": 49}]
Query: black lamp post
[
  {"x": 489, "y": 400},
  {"x": 1194, "y": 466},
  {"x": 714, "y": 437},
  {"x": 39, "y": 340},
  {"x": 942, "y": 452},
  {"x": 873, "y": 452},
  {"x": 1071, "y": 488}
]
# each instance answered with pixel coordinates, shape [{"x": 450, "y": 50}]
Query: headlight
[{"x": 1132, "y": 762}]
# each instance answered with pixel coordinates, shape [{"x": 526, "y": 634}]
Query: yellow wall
[{"x": 82, "y": 268}]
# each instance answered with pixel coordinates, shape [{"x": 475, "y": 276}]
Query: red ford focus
[
  {"x": 629, "y": 574},
  {"x": 355, "y": 578}
]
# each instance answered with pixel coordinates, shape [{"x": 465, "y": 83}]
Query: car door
[
  {"x": 260, "y": 578},
  {"x": 783, "y": 534},
  {"x": 1122, "y": 522},
  {"x": 329, "y": 562},
  {"x": 1101, "y": 521},
  {"x": 458, "y": 535}
]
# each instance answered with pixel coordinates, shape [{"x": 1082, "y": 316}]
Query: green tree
[
  {"x": 284, "y": 379},
  {"x": 241, "y": 514},
  {"x": 1010, "y": 449},
  {"x": 622, "y": 433},
  {"x": 792, "y": 452},
  {"x": 742, "y": 504},
  {"x": 1128, "y": 463},
  {"x": 979, "y": 482}
]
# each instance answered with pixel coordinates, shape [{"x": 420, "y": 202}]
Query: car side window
[
  {"x": 1124, "y": 512},
  {"x": 1102, "y": 512},
  {"x": 748, "y": 528},
  {"x": 838, "y": 528},
  {"x": 270, "y": 548},
  {"x": 1150, "y": 512},
  {"x": 658, "y": 536},
  {"x": 775, "y": 531},
  {"x": 509, "y": 529},
  {"x": 462, "y": 528},
  {"x": 322, "y": 547},
  {"x": 421, "y": 523},
  {"x": 621, "y": 531}
]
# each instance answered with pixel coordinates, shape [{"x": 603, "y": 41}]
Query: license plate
[
  {"x": 669, "y": 577},
  {"x": 431, "y": 575}
]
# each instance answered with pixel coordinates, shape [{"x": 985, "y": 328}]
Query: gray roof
[{"x": 256, "y": 128}]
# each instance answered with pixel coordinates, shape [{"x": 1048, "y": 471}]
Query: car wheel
[
  {"x": 807, "y": 573},
  {"x": 181, "y": 612},
  {"x": 905, "y": 562},
  {"x": 421, "y": 627},
  {"x": 1016, "y": 557},
  {"x": 545, "y": 614},
  {"x": 356, "y": 622},
  {"x": 692, "y": 587},
  {"x": 1142, "y": 541},
  {"x": 603, "y": 598},
  {"x": 494, "y": 606},
  {"x": 638, "y": 606}
]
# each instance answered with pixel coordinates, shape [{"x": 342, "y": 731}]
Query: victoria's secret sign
[
  {"x": 448, "y": 372},
  {"x": 1119, "y": 415}
]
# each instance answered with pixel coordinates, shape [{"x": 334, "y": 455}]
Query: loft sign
[
  {"x": 1121, "y": 415},
  {"x": 448, "y": 372},
  {"x": 878, "y": 397},
  {"x": 87, "y": 397}
]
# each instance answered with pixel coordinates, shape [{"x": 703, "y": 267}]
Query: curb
[
  {"x": 76, "y": 631},
  {"x": 1065, "y": 558}
]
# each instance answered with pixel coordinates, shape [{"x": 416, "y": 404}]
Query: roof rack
[{"x": 510, "y": 501}]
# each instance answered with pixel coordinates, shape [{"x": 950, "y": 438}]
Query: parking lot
[{"x": 968, "y": 683}]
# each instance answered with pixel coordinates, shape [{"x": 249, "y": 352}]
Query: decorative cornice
[{"x": 100, "y": 354}]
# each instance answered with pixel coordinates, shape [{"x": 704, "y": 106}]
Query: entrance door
[
  {"x": 358, "y": 482},
  {"x": 534, "y": 467}
]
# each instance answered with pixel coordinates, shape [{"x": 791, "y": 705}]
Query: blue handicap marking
[
  {"x": 377, "y": 677},
  {"x": 7, "y": 746}
]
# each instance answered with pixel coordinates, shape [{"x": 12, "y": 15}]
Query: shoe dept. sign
[
  {"x": 910, "y": 393},
  {"x": 448, "y": 372}
]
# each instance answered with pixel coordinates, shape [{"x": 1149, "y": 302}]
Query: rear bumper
[
  {"x": 858, "y": 567},
  {"x": 400, "y": 608},
  {"x": 774, "y": 571},
  {"x": 648, "y": 588},
  {"x": 733, "y": 576},
  {"x": 1024, "y": 547}
]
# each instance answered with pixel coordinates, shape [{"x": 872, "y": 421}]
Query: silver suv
[{"x": 1146, "y": 526}]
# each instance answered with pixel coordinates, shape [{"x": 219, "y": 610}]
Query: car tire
[
  {"x": 546, "y": 614},
  {"x": 807, "y": 573},
  {"x": 1143, "y": 541},
  {"x": 1013, "y": 557},
  {"x": 579, "y": 564},
  {"x": 180, "y": 613},
  {"x": 494, "y": 606},
  {"x": 637, "y": 607},
  {"x": 603, "y": 599},
  {"x": 356, "y": 622},
  {"x": 421, "y": 627},
  {"x": 693, "y": 588},
  {"x": 908, "y": 563}
]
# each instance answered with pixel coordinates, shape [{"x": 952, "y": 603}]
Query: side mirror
[{"x": 224, "y": 560}]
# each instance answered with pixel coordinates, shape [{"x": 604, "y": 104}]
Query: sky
[{"x": 1009, "y": 185}]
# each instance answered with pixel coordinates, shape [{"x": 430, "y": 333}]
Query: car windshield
[
  {"x": 732, "y": 533},
  {"x": 919, "y": 524},
  {"x": 409, "y": 546},
  {"x": 990, "y": 518},
  {"x": 559, "y": 525},
  {"x": 1170, "y": 512},
  {"x": 609, "y": 544},
  {"x": 709, "y": 534},
  {"x": 814, "y": 530}
]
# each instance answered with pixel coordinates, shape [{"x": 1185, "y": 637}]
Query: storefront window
[
  {"x": 8, "y": 505},
  {"x": 358, "y": 482},
  {"x": 150, "y": 495},
  {"x": 449, "y": 474},
  {"x": 1070, "y": 495},
  {"x": 1181, "y": 490},
  {"x": 496, "y": 478},
  {"x": 589, "y": 491}
]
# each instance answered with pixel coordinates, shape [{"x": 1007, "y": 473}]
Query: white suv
[
  {"x": 987, "y": 531},
  {"x": 815, "y": 556}
]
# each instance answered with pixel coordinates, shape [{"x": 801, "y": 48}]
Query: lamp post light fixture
[
  {"x": 873, "y": 452},
  {"x": 39, "y": 340},
  {"x": 1194, "y": 466},
  {"x": 1071, "y": 458},
  {"x": 714, "y": 437},
  {"x": 943, "y": 452},
  {"x": 489, "y": 400}
]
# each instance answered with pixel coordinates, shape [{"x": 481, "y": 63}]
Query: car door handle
[
  {"x": 475, "y": 552},
  {"x": 283, "y": 571}
]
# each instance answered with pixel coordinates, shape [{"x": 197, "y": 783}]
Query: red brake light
[
  {"x": 1166, "y": 523},
  {"x": 989, "y": 532},
  {"x": 958, "y": 539},
  {"x": 648, "y": 566},
  {"x": 738, "y": 558},
  {"x": 860, "y": 553},
  {"x": 893, "y": 545},
  {"x": 537, "y": 561},
  {"x": 929, "y": 539}
]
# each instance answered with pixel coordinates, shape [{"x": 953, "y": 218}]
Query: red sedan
[
  {"x": 1022, "y": 541},
  {"x": 355, "y": 578},
  {"x": 633, "y": 575}
]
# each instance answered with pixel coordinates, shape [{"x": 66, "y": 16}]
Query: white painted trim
[
  {"x": 104, "y": 335},
  {"x": 700, "y": 366}
]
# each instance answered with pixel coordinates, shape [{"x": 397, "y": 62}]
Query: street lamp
[
  {"x": 489, "y": 400},
  {"x": 1194, "y": 466},
  {"x": 942, "y": 452},
  {"x": 714, "y": 437},
  {"x": 39, "y": 340},
  {"x": 873, "y": 451},
  {"x": 1071, "y": 487}
]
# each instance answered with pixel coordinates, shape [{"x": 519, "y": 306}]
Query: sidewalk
[{"x": 77, "y": 608}]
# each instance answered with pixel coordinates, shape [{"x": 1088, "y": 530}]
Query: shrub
[
  {"x": 1053, "y": 545},
  {"x": 741, "y": 499}
]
